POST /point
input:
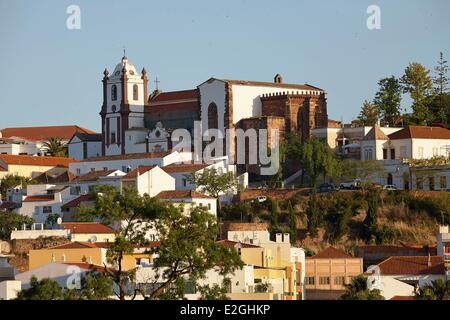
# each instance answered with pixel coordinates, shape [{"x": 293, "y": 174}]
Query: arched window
[
  {"x": 135, "y": 92},
  {"x": 114, "y": 92},
  {"x": 212, "y": 116}
]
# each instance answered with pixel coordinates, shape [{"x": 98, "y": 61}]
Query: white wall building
[
  {"x": 85, "y": 145},
  {"x": 149, "y": 180}
]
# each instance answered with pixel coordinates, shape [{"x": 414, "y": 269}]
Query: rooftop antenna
[{"x": 124, "y": 53}]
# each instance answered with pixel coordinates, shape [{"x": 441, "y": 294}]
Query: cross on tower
[{"x": 156, "y": 83}]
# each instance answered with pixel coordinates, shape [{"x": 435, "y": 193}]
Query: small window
[
  {"x": 443, "y": 182},
  {"x": 419, "y": 182},
  {"x": 339, "y": 280},
  {"x": 435, "y": 152},
  {"x": 384, "y": 154},
  {"x": 92, "y": 169},
  {"x": 393, "y": 153},
  {"x": 105, "y": 168},
  {"x": 78, "y": 171},
  {"x": 209, "y": 205},
  {"x": 310, "y": 281},
  {"x": 113, "y": 137},
  {"x": 47, "y": 209},
  {"x": 420, "y": 152},
  {"x": 431, "y": 183},
  {"x": 135, "y": 92},
  {"x": 184, "y": 182},
  {"x": 114, "y": 92},
  {"x": 403, "y": 151},
  {"x": 324, "y": 280}
]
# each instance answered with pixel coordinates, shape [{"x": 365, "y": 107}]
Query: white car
[
  {"x": 262, "y": 198},
  {"x": 389, "y": 187}
]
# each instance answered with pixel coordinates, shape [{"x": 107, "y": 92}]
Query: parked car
[
  {"x": 262, "y": 198},
  {"x": 389, "y": 187},
  {"x": 326, "y": 187},
  {"x": 352, "y": 185}
]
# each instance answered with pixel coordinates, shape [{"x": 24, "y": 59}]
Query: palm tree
[
  {"x": 358, "y": 289},
  {"x": 55, "y": 147},
  {"x": 438, "y": 289}
]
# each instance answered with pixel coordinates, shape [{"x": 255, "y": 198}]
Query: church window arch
[
  {"x": 114, "y": 92},
  {"x": 135, "y": 92},
  {"x": 213, "y": 120}
]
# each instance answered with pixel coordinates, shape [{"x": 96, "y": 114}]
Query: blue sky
[{"x": 50, "y": 75}]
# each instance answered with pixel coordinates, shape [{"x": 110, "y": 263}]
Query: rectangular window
[
  {"x": 209, "y": 205},
  {"x": 435, "y": 152},
  {"x": 85, "y": 150},
  {"x": 105, "y": 168},
  {"x": 443, "y": 182},
  {"x": 47, "y": 209},
  {"x": 403, "y": 151},
  {"x": 324, "y": 280},
  {"x": 420, "y": 152},
  {"x": 431, "y": 183},
  {"x": 92, "y": 169},
  {"x": 385, "y": 154},
  {"x": 419, "y": 182},
  {"x": 78, "y": 171},
  {"x": 310, "y": 281},
  {"x": 184, "y": 182},
  {"x": 339, "y": 280},
  {"x": 113, "y": 137},
  {"x": 393, "y": 153}
]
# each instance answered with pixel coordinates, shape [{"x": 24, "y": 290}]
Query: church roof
[
  {"x": 186, "y": 100},
  {"x": 44, "y": 133},
  {"x": 376, "y": 134},
  {"x": 129, "y": 156},
  {"x": 272, "y": 84}
]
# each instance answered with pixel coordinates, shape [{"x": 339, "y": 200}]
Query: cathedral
[{"x": 134, "y": 121}]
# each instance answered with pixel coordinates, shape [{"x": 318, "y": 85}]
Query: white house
[
  {"x": 189, "y": 199},
  {"x": 149, "y": 180},
  {"x": 85, "y": 145},
  {"x": 84, "y": 184},
  {"x": 253, "y": 233}
]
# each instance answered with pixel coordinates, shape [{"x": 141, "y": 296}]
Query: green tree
[
  {"x": 55, "y": 147},
  {"x": 95, "y": 286},
  {"x": 441, "y": 105},
  {"x": 215, "y": 292},
  {"x": 438, "y": 289},
  {"x": 211, "y": 182},
  {"x": 318, "y": 159},
  {"x": 368, "y": 116},
  {"x": 187, "y": 251},
  {"x": 52, "y": 219},
  {"x": 10, "y": 221},
  {"x": 370, "y": 221},
  {"x": 292, "y": 222},
  {"x": 10, "y": 181},
  {"x": 364, "y": 170},
  {"x": 313, "y": 214},
  {"x": 46, "y": 289},
  {"x": 338, "y": 218},
  {"x": 359, "y": 290},
  {"x": 387, "y": 100},
  {"x": 417, "y": 82}
]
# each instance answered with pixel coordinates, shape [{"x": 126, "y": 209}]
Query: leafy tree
[
  {"x": 211, "y": 182},
  {"x": 438, "y": 289},
  {"x": 368, "y": 116},
  {"x": 359, "y": 290},
  {"x": 338, "y": 218},
  {"x": 313, "y": 214},
  {"x": 417, "y": 82},
  {"x": 319, "y": 159},
  {"x": 262, "y": 287},
  {"x": 370, "y": 221},
  {"x": 292, "y": 222},
  {"x": 10, "y": 221},
  {"x": 364, "y": 170},
  {"x": 274, "y": 213},
  {"x": 95, "y": 286},
  {"x": 52, "y": 219},
  {"x": 441, "y": 108},
  {"x": 387, "y": 99},
  {"x": 188, "y": 250},
  {"x": 46, "y": 289},
  {"x": 216, "y": 292},
  {"x": 55, "y": 147},
  {"x": 11, "y": 181}
]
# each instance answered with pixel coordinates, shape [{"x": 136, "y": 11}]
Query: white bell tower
[{"x": 124, "y": 100}]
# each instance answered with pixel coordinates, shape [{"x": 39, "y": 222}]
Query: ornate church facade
[{"x": 134, "y": 121}]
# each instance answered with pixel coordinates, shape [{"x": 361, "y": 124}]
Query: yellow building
[
  {"x": 86, "y": 252},
  {"x": 328, "y": 271},
  {"x": 29, "y": 166}
]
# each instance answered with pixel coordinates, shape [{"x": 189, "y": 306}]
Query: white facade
[
  {"x": 9, "y": 289},
  {"x": 19, "y": 148},
  {"x": 80, "y": 150},
  {"x": 189, "y": 203},
  {"x": 151, "y": 182},
  {"x": 255, "y": 237},
  {"x": 79, "y": 187}
]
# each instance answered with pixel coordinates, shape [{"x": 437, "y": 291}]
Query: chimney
[{"x": 278, "y": 238}]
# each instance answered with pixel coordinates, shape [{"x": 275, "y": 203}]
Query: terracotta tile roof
[
  {"x": 129, "y": 156},
  {"x": 184, "y": 168},
  {"x": 43, "y": 133},
  {"x": 234, "y": 244},
  {"x": 242, "y": 226},
  {"x": 93, "y": 175},
  {"x": 376, "y": 134},
  {"x": 403, "y": 298},
  {"x": 39, "y": 198},
  {"x": 171, "y": 96},
  {"x": 47, "y": 178},
  {"x": 77, "y": 245},
  {"x": 272, "y": 84},
  {"x": 421, "y": 132},
  {"x": 134, "y": 173},
  {"x": 10, "y": 159},
  {"x": 182, "y": 194},
  {"x": 412, "y": 265},
  {"x": 87, "y": 266},
  {"x": 86, "y": 227},
  {"x": 75, "y": 203},
  {"x": 332, "y": 253}
]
